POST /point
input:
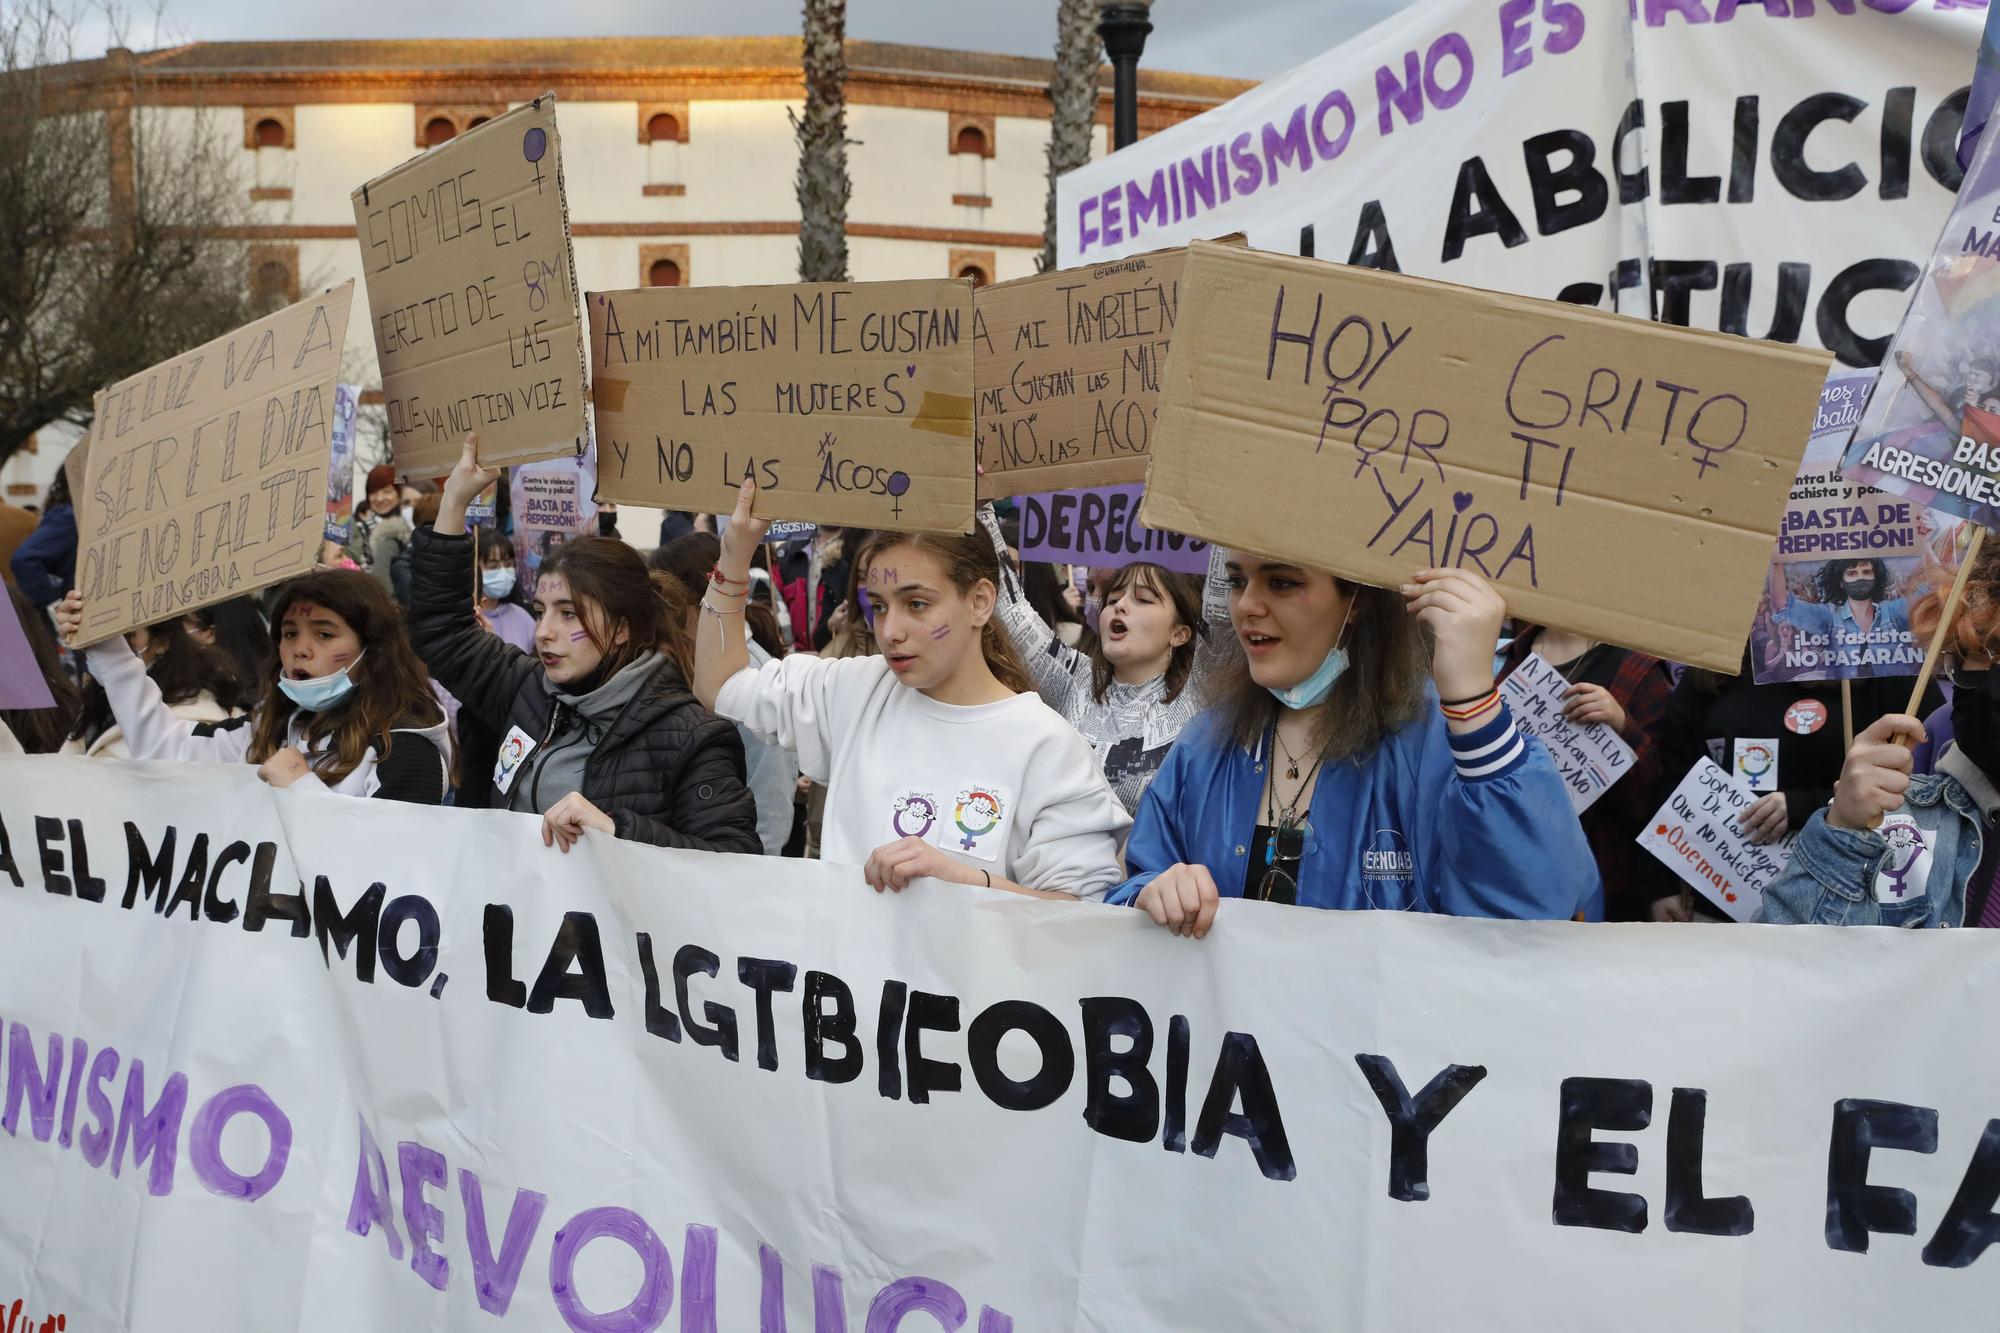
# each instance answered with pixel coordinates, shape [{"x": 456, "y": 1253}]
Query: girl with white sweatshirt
[{"x": 938, "y": 758}]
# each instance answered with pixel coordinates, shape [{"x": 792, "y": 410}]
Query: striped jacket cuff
[{"x": 1493, "y": 751}]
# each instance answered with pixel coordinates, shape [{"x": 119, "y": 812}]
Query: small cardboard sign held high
[
  {"x": 206, "y": 476},
  {"x": 1613, "y": 476},
  {"x": 473, "y": 291},
  {"x": 848, "y": 403},
  {"x": 1069, "y": 368}
]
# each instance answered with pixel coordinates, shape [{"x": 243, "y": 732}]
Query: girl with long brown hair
[
  {"x": 599, "y": 732},
  {"x": 1347, "y": 763},
  {"x": 938, "y": 759},
  {"x": 349, "y": 710},
  {"x": 1143, "y": 677}
]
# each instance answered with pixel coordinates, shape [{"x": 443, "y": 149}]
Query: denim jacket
[{"x": 1840, "y": 877}]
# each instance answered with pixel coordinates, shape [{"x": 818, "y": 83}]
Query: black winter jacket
[{"x": 668, "y": 771}]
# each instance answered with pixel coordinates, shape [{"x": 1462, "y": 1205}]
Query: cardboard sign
[
  {"x": 472, "y": 286},
  {"x": 1613, "y": 476},
  {"x": 1100, "y": 528},
  {"x": 1697, "y": 836},
  {"x": 1590, "y": 756},
  {"x": 1068, "y": 366},
  {"x": 1849, "y": 562},
  {"x": 848, "y": 403},
  {"x": 551, "y": 505},
  {"x": 207, "y": 475}
]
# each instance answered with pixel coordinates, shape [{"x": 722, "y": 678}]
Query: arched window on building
[
  {"x": 663, "y": 273},
  {"x": 270, "y": 133},
  {"x": 971, "y": 149},
  {"x": 439, "y": 130},
  {"x": 975, "y": 273},
  {"x": 664, "y": 131}
]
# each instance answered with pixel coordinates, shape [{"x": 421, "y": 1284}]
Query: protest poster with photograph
[
  {"x": 847, "y": 403},
  {"x": 1100, "y": 528},
  {"x": 1590, "y": 756},
  {"x": 1849, "y": 563},
  {"x": 22, "y": 684},
  {"x": 472, "y": 289},
  {"x": 551, "y": 503},
  {"x": 1068, "y": 368},
  {"x": 340, "y": 464},
  {"x": 1931, "y": 430},
  {"x": 1696, "y": 835},
  {"x": 1613, "y": 476},
  {"x": 207, "y": 475}
]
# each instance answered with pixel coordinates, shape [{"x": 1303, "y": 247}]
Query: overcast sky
[{"x": 1251, "y": 39}]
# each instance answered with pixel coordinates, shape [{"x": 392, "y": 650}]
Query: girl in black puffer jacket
[{"x": 598, "y": 730}]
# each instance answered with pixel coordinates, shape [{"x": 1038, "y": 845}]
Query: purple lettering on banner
[
  {"x": 205, "y": 1143},
  {"x": 829, "y": 1301},
  {"x": 1327, "y": 146},
  {"x": 698, "y": 1280},
  {"x": 78, "y": 1048},
  {"x": 156, "y": 1132},
  {"x": 420, "y": 1166},
  {"x": 25, "y": 1081},
  {"x": 1392, "y": 95},
  {"x": 994, "y": 1321},
  {"x": 95, "y": 1144},
  {"x": 1105, "y": 533},
  {"x": 1694, "y": 11},
  {"x": 916, "y": 1295},
  {"x": 370, "y": 1204},
  {"x": 1455, "y": 46},
  {"x": 647, "y": 1309},
  {"x": 771, "y": 1286},
  {"x": 493, "y": 1281},
  {"x": 1515, "y": 54}
]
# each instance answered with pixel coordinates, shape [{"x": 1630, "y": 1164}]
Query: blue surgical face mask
[
  {"x": 1314, "y": 688},
  {"x": 321, "y": 692},
  {"x": 496, "y": 583}
]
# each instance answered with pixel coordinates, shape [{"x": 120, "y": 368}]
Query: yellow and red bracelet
[{"x": 1474, "y": 710}]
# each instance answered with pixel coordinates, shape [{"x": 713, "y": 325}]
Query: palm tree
[
  {"x": 822, "y": 135},
  {"x": 1072, "y": 104}
]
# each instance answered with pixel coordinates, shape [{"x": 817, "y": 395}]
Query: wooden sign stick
[
  {"x": 1847, "y": 713},
  {"x": 1965, "y": 563}
]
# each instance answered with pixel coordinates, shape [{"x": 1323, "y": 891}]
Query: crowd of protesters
[{"x": 933, "y": 707}]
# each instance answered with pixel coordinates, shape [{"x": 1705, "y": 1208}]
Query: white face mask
[
  {"x": 496, "y": 583},
  {"x": 321, "y": 692}
]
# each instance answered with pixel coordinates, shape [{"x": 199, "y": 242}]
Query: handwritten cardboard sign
[
  {"x": 1068, "y": 366},
  {"x": 1697, "y": 836},
  {"x": 206, "y": 476},
  {"x": 1100, "y": 528},
  {"x": 472, "y": 288},
  {"x": 1613, "y": 476},
  {"x": 1590, "y": 756},
  {"x": 848, "y": 403}
]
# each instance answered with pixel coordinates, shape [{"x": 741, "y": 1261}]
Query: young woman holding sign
[
  {"x": 1329, "y": 773},
  {"x": 938, "y": 759},
  {"x": 349, "y": 710},
  {"x": 598, "y": 729},
  {"x": 1145, "y": 675},
  {"x": 1892, "y": 849}
]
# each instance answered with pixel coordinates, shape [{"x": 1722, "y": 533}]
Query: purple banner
[
  {"x": 21, "y": 683},
  {"x": 1101, "y": 528}
]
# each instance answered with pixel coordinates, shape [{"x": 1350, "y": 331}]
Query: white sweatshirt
[
  {"x": 152, "y": 731},
  {"x": 1007, "y": 787}
]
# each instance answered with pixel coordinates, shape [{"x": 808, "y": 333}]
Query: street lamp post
[{"x": 1124, "y": 27}]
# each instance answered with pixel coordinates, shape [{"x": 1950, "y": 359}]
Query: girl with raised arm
[
  {"x": 938, "y": 759},
  {"x": 349, "y": 710},
  {"x": 1331, "y": 773},
  {"x": 598, "y": 729},
  {"x": 1143, "y": 678}
]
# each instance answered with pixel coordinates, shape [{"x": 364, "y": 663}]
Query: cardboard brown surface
[
  {"x": 206, "y": 477},
  {"x": 1068, "y": 367},
  {"x": 1614, "y": 476},
  {"x": 850, "y": 403},
  {"x": 473, "y": 298}
]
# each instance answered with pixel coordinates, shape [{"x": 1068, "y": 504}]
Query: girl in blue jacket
[{"x": 1330, "y": 773}]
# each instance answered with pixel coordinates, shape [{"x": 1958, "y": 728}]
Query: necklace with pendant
[{"x": 1291, "y": 760}]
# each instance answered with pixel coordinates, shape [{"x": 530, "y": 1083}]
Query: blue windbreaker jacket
[{"x": 1472, "y": 825}]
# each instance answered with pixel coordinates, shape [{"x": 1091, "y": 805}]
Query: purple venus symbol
[
  {"x": 898, "y": 482},
  {"x": 534, "y": 144}
]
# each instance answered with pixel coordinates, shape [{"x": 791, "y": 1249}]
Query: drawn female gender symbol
[
  {"x": 534, "y": 144},
  {"x": 977, "y": 804},
  {"x": 1906, "y": 840},
  {"x": 914, "y": 805}
]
